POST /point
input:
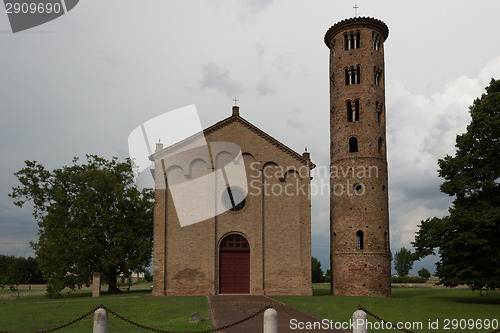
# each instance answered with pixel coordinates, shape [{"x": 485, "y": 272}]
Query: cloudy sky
[{"x": 81, "y": 83}]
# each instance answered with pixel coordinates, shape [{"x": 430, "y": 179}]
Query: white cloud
[{"x": 422, "y": 129}]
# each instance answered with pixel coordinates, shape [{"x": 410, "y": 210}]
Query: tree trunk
[{"x": 112, "y": 288}]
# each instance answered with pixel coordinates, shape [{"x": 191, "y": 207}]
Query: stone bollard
[
  {"x": 96, "y": 285},
  {"x": 100, "y": 321},
  {"x": 271, "y": 321},
  {"x": 359, "y": 320}
]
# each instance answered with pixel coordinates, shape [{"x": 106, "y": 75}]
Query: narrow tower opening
[
  {"x": 359, "y": 240},
  {"x": 349, "y": 112},
  {"x": 353, "y": 145}
]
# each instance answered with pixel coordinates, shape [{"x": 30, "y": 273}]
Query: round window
[
  {"x": 234, "y": 199},
  {"x": 358, "y": 187}
]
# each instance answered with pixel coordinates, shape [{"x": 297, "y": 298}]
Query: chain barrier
[
  {"x": 65, "y": 325},
  {"x": 143, "y": 326},
  {"x": 205, "y": 331},
  {"x": 382, "y": 320}
]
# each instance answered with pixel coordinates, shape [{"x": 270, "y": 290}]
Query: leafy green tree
[
  {"x": 403, "y": 262},
  {"x": 19, "y": 270},
  {"x": 10, "y": 276},
  {"x": 328, "y": 276},
  {"x": 316, "y": 271},
  {"x": 468, "y": 238},
  {"x": 91, "y": 218},
  {"x": 424, "y": 273}
]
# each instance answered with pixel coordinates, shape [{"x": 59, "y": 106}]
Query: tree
[
  {"x": 468, "y": 238},
  {"x": 91, "y": 218},
  {"x": 328, "y": 276},
  {"x": 424, "y": 273},
  {"x": 26, "y": 270},
  {"x": 403, "y": 262},
  {"x": 316, "y": 271},
  {"x": 10, "y": 276}
]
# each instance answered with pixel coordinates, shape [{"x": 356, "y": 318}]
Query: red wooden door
[{"x": 234, "y": 265}]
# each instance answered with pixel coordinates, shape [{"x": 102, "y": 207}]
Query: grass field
[
  {"x": 37, "y": 312},
  {"x": 33, "y": 311},
  {"x": 406, "y": 305}
]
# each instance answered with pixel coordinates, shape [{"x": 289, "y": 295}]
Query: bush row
[{"x": 408, "y": 279}]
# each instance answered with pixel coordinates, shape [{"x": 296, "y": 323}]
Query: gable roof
[{"x": 225, "y": 122}]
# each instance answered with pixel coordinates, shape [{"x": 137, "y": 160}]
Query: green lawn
[
  {"x": 406, "y": 305},
  {"x": 37, "y": 312},
  {"x": 32, "y": 312}
]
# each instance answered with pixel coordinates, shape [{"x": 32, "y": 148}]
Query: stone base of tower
[{"x": 366, "y": 274}]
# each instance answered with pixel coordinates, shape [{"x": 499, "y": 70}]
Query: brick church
[{"x": 261, "y": 244}]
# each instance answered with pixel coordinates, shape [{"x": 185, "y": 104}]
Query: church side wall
[{"x": 159, "y": 236}]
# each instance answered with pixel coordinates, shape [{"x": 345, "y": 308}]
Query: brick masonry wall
[
  {"x": 366, "y": 271},
  {"x": 185, "y": 259}
]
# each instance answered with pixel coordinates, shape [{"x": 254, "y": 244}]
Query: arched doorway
[{"x": 234, "y": 265}]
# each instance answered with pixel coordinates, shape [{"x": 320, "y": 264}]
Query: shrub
[{"x": 407, "y": 279}]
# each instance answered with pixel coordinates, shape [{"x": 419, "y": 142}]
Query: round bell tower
[{"x": 359, "y": 217}]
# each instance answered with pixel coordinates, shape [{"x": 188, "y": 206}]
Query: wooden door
[{"x": 234, "y": 265}]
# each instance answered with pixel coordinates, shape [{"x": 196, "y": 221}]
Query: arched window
[
  {"x": 353, "y": 145},
  {"x": 352, "y": 40},
  {"x": 352, "y": 75},
  {"x": 380, "y": 145},
  {"x": 359, "y": 240},
  {"x": 376, "y": 40}
]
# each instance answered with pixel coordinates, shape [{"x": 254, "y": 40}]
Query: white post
[
  {"x": 360, "y": 322},
  {"x": 271, "y": 321},
  {"x": 100, "y": 321}
]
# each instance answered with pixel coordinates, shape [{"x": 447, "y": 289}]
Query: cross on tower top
[
  {"x": 355, "y": 10},
  {"x": 235, "y": 100}
]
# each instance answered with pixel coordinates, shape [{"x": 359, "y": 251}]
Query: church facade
[{"x": 261, "y": 244}]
